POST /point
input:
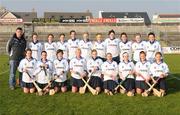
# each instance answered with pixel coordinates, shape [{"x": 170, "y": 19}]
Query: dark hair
[
  {"x": 137, "y": 34},
  {"x": 123, "y": 34},
  {"x": 158, "y": 53},
  {"x": 93, "y": 51},
  {"x": 28, "y": 49},
  {"x": 59, "y": 51},
  {"x": 50, "y": 35},
  {"x": 72, "y": 32},
  {"x": 62, "y": 34},
  {"x": 19, "y": 28},
  {"x": 34, "y": 34},
  {"x": 142, "y": 52},
  {"x": 43, "y": 52},
  {"x": 111, "y": 31},
  {"x": 151, "y": 33}
]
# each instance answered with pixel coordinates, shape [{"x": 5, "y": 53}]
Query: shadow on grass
[{"x": 173, "y": 82}]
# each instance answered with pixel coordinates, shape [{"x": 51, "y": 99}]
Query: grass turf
[{"x": 16, "y": 102}]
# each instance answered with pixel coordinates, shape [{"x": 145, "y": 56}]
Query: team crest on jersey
[
  {"x": 113, "y": 65},
  {"x": 146, "y": 65},
  {"x": 142, "y": 45},
  {"x": 155, "y": 46}
]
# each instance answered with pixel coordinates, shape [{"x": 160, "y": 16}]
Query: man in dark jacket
[{"x": 15, "y": 48}]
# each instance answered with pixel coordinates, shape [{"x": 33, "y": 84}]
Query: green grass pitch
[{"x": 17, "y": 103}]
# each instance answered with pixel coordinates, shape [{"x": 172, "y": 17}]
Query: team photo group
[{"x": 111, "y": 65}]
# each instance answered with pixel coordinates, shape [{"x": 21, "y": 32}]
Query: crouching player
[
  {"x": 110, "y": 71},
  {"x": 27, "y": 66},
  {"x": 78, "y": 71},
  {"x": 142, "y": 71},
  {"x": 126, "y": 73},
  {"x": 60, "y": 72},
  {"x": 94, "y": 70},
  {"x": 43, "y": 72},
  {"x": 159, "y": 70}
]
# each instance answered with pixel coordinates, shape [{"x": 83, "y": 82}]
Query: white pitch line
[{"x": 4, "y": 72}]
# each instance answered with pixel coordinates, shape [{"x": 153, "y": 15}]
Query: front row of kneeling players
[{"x": 108, "y": 76}]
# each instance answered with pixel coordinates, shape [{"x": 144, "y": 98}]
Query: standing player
[
  {"x": 110, "y": 71},
  {"x": 50, "y": 48},
  {"x": 99, "y": 46},
  {"x": 112, "y": 45},
  {"x": 125, "y": 46},
  {"x": 73, "y": 44},
  {"x": 85, "y": 45},
  {"x": 27, "y": 64},
  {"x": 36, "y": 47},
  {"x": 63, "y": 45},
  {"x": 142, "y": 71},
  {"x": 43, "y": 71},
  {"x": 94, "y": 68},
  {"x": 159, "y": 69},
  {"x": 60, "y": 72},
  {"x": 152, "y": 47},
  {"x": 137, "y": 47},
  {"x": 126, "y": 72},
  {"x": 78, "y": 71}
]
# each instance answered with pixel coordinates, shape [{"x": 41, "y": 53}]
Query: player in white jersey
[
  {"x": 85, "y": 45},
  {"x": 125, "y": 46},
  {"x": 112, "y": 45},
  {"x": 137, "y": 47},
  {"x": 50, "y": 48},
  {"x": 110, "y": 72},
  {"x": 152, "y": 46},
  {"x": 142, "y": 71},
  {"x": 73, "y": 44},
  {"x": 78, "y": 69},
  {"x": 94, "y": 68},
  {"x": 99, "y": 46},
  {"x": 60, "y": 72},
  {"x": 27, "y": 64},
  {"x": 36, "y": 47},
  {"x": 126, "y": 72},
  {"x": 63, "y": 45},
  {"x": 43, "y": 72},
  {"x": 159, "y": 69}
]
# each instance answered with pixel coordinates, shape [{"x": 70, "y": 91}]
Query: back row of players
[
  {"x": 112, "y": 45},
  {"x": 101, "y": 59}
]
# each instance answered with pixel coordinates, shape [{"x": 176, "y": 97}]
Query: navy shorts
[
  {"x": 77, "y": 82},
  {"x": 110, "y": 85},
  {"x": 95, "y": 82},
  {"x": 142, "y": 85},
  {"x": 27, "y": 85}
]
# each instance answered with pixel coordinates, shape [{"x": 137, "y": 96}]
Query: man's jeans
[{"x": 12, "y": 76}]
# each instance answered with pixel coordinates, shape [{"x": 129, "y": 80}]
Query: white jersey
[
  {"x": 72, "y": 46},
  {"x": 157, "y": 69},
  {"x": 112, "y": 46},
  {"x": 50, "y": 48},
  {"x": 85, "y": 48},
  {"x": 78, "y": 65},
  {"x": 137, "y": 48},
  {"x": 125, "y": 68},
  {"x": 63, "y": 46},
  {"x": 30, "y": 65},
  {"x": 143, "y": 69},
  {"x": 125, "y": 47},
  {"x": 152, "y": 48},
  {"x": 60, "y": 69},
  {"x": 110, "y": 68},
  {"x": 94, "y": 63},
  {"x": 40, "y": 73},
  {"x": 100, "y": 48},
  {"x": 36, "y": 49}
]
